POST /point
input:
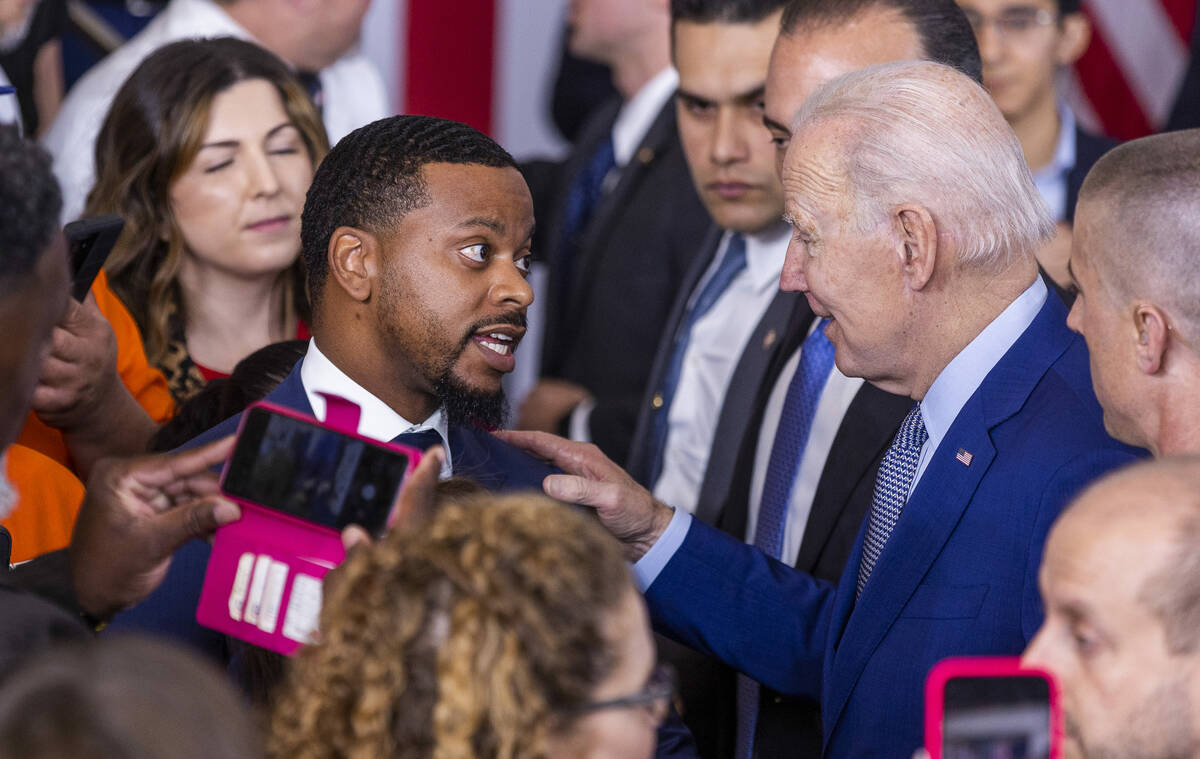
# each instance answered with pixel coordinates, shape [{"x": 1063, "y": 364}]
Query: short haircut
[
  {"x": 1150, "y": 190},
  {"x": 30, "y": 203},
  {"x": 724, "y": 11},
  {"x": 924, "y": 133},
  {"x": 373, "y": 177},
  {"x": 1067, "y": 7},
  {"x": 945, "y": 34}
]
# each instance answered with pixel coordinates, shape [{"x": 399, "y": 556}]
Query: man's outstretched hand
[
  {"x": 136, "y": 514},
  {"x": 625, "y": 508}
]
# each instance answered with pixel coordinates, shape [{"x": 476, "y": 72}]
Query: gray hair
[
  {"x": 1150, "y": 191},
  {"x": 929, "y": 135}
]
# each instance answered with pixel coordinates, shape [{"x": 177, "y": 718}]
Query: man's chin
[{"x": 467, "y": 403}]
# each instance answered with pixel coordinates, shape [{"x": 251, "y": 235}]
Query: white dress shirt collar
[
  {"x": 378, "y": 420},
  {"x": 964, "y": 374},
  {"x": 1051, "y": 179},
  {"x": 765, "y": 252},
  {"x": 637, "y": 115}
]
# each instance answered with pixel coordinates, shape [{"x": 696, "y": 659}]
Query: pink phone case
[
  {"x": 982, "y": 666},
  {"x": 263, "y": 582}
]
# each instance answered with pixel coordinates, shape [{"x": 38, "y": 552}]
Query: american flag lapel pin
[{"x": 964, "y": 456}]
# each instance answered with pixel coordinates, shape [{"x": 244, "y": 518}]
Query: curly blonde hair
[
  {"x": 477, "y": 635},
  {"x": 150, "y": 136}
]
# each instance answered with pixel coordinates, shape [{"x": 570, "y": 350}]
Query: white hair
[{"x": 926, "y": 134}]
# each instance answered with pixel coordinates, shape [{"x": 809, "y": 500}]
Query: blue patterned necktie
[
  {"x": 892, "y": 483},
  {"x": 584, "y": 195},
  {"x": 799, "y": 407},
  {"x": 731, "y": 265}
]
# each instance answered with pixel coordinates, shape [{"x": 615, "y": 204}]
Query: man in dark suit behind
[
  {"x": 621, "y": 237},
  {"x": 929, "y": 292},
  {"x": 1024, "y": 46}
]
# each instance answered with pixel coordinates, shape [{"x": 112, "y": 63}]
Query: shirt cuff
[
  {"x": 581, "y": 417},
  {"x": 650, "y": 566}
]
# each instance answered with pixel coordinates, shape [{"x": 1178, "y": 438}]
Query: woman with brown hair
[
  {"x": 504, "y": 627},
  {"x": 207, "y": 152}
]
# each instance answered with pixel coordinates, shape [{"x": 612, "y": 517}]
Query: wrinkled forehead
[{"x": 814, "y": 169}]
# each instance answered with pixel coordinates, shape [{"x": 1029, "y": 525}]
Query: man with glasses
[{"x": 1023, "y": 44}]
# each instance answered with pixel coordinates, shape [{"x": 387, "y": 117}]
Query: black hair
[
  {"x": 945, "y": 34},
  {"x": 372, "y": 178},
  {"x": 1067, "y": 7},
  {"x": 30, "y": 203},
  {"x": 724, "y": 11}
]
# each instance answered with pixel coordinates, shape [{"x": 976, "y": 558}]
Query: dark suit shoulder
[{"x": 481, "y": 456}]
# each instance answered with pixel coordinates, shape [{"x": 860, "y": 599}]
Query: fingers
[
  {"x": 162, "y": 470},
  {"x": 354, "y": 536},
  {"x": 543, "y": 445},
  {"x": 414, "y": 502},
  {"x": 572, "y": 489},
  {"x": 195, "y": 519}
]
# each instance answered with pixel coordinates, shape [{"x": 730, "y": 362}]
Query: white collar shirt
[
  {"x": 378, "y": 420},
  {"x": 714, "y": 347},
  {"x": 1051, "y": 179}
]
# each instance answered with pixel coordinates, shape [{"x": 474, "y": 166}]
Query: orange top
[
  {"x": 50, "y": 496},
  {"x": 40, "y": 465},
  {"x": 146, "y": 384}
]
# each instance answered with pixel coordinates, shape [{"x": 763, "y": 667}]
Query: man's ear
[
  {"x": 1074, "y": 39},
  {"x": 1152, "y": 335},
  {"x": 353, "y": 260},
  {"x": 918, "y": 243}
]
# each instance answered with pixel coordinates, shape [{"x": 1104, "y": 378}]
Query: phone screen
[
  {"x": 996, "y": 717},
  {"x": 313, "y": 472}
]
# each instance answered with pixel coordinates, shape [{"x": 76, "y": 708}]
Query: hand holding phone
[{"x": 991, "y": 708}]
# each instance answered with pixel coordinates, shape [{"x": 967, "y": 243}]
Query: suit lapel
[
  {"x": 639, "y": 465},
  {"x": 866, "y": 431},
  {"x": 932, "y": 513},
  {"x": 651, "y": 150},
  {"x": 290, "y": 393},
  {"x": 472, "y": 459},
  {"x": 740, "y": 397}
]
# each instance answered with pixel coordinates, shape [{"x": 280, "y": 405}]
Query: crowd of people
[{"x": 859, "y": 353}]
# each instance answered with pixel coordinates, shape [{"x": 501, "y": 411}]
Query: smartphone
[
  {"x": 300, "y": 467},
  {"x": 991, "y": 708},
  {"x": 89, "y": 242}
]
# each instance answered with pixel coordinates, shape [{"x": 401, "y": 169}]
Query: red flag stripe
[
  {"x": 450, "y": 61},
  {"x": 1183, "y": 16},
  {"x": 1109, "y": 93}
]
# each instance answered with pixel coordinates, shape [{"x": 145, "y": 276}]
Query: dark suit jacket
[
  {"x": 37, "y": 606},
  {"x": 957, "y": 577},
  {"x": 602, "y": 330},
  {"x": 1088, "y": 149},
  {"x": 474, "y": 453}
]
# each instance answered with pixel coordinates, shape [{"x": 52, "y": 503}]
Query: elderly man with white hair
[{"x": 914, "y": 224}]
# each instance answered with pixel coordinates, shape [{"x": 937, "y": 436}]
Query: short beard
[
  {"x": 1159, "y": 728},
  {"x": 466, "y": 405}
]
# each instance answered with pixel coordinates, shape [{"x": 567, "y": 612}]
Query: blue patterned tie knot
[
  {"x": 420, "y": 439},
  {"x": 892, "y": 483}
]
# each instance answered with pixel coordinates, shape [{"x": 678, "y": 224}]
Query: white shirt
[
  {"x": 633, "y": 121},
  {"x": 954, "y": 386},
  {"x": 10, "y": 109},
  {"x": 352, "y": 89},
  {"x": 1051, "y": 179},
  {"x": 714, "y": 347},
  {"x": 378, "y": 420},
  {"x": 835, "y": 399}
]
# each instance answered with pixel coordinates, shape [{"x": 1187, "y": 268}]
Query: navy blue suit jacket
[
  {"x": 171, "y": 610},
  {"x": 957, "y": 577},
  {"x": 474, "y": 453}
]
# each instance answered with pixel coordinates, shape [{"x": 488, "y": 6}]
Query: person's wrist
[{"x": 660, "y": 519}]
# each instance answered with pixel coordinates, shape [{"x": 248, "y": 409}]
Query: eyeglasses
[
  {"x": 1011, "y": 23},
  {"x": 655, "y": 696}
]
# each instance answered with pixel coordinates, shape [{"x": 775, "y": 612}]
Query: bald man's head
[
  {"x": 1121, "y": 584},
  {"x": 1141, "y": 200}
]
